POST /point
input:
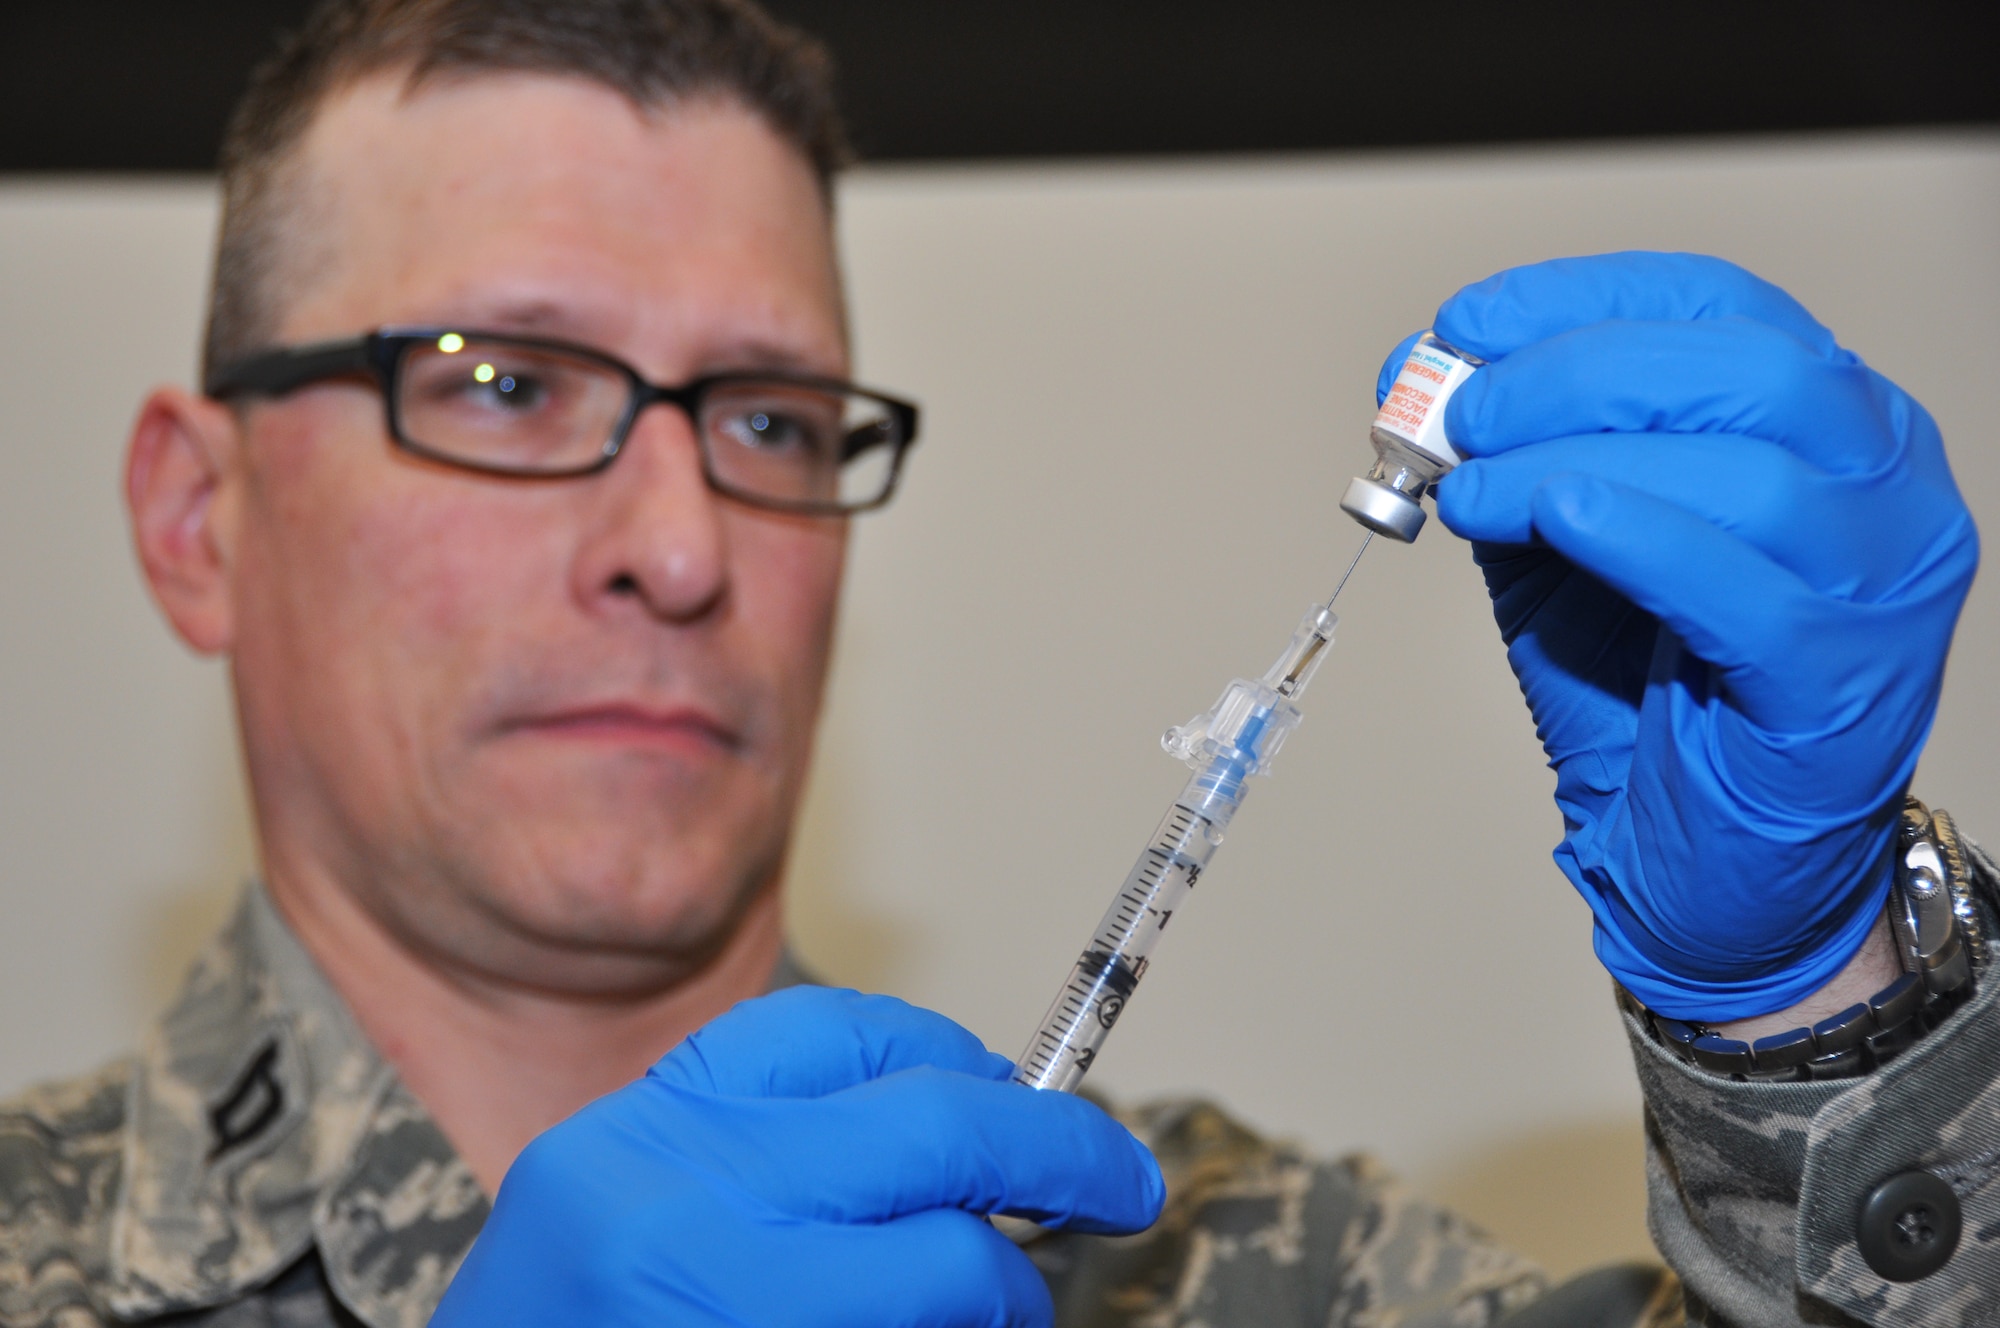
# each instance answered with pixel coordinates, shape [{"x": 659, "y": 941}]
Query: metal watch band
[{"x": 1938, "y": 937}]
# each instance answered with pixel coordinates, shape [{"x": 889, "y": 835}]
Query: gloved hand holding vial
[{"x": 1617, "y": 419}]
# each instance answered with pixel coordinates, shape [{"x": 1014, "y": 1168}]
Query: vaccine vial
[{"x": 1411, "y": 451}]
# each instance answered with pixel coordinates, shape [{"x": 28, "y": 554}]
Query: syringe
[{"x": 1224, "y": 746}]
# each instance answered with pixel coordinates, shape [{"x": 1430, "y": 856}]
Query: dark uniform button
[{"x": 1909, "y": 1226}]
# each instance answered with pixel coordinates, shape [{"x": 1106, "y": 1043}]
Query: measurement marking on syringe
[{"x": 1225, "y": 747}]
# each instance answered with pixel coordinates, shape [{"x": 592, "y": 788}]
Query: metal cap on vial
[{"x": 1383, "y": 510}]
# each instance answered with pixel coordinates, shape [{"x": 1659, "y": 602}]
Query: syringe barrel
[
  {"x": 1104, "y": 976},
  {"x": 1225, "y": 745}
]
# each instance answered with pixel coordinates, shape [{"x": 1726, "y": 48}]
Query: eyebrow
[
  {"x": 753, "y": 353},
  {"x": 550, "y": 318},
  {"x": 537, "y": 317}
]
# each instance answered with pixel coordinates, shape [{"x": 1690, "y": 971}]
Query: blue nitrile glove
[
  {"x": 1727, "y": 558},
  {"x": 814, "y": 1157}
]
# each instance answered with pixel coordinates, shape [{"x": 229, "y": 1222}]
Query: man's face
[{"x": 517, "y": 717}]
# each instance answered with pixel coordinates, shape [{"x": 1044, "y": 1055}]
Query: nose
[{"x": 655, "y": 537}]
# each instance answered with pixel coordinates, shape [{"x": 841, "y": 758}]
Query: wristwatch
[{"x": 1940, "y": 939}]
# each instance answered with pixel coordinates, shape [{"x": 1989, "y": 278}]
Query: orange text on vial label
[{"x": 1414, "y": 409}]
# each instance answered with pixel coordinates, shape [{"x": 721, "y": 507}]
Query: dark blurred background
[{"x": 143, "y": 85}]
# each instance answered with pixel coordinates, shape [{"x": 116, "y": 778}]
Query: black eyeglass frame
[{"x": 380, "y": 354}]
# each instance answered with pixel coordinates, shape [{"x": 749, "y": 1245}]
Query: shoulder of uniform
[{"x": 61, "y": 1150}]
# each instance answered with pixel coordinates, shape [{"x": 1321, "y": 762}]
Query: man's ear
[{"x": 179, "y": 473}]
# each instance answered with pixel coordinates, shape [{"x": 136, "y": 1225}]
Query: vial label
[{"x": 1414, "y": 409}]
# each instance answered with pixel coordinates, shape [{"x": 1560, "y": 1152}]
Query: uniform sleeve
[{"x": 1758, "y": 1192}]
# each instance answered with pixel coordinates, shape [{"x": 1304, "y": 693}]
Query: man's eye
[
  {"x": 503, "y": 389},
  {"x": 482, "y": 387},
  {"x": 768, "y": 431}
]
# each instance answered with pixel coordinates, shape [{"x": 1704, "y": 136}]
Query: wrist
[
  {"x": 1928, "y": 942},
  {"x": 1873, "y": 967},
  {"x": 1749, "y": 928}
]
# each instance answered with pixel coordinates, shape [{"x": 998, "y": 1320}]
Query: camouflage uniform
[
  {"x": 1755, "y": 1188},
  {"x": 258, "y": 1164}
]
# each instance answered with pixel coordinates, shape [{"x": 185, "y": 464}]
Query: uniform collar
[{"x": 262, "y": 1124}]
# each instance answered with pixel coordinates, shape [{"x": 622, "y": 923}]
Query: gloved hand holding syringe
[{"x": 1240, "y": 736}]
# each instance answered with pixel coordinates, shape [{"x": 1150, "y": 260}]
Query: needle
[{"x": 1350, "y": 569}]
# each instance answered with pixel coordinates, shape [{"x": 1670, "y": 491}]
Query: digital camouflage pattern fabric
[
  {"x": 1258, "y": 1233},
  {"x": 257, "y": 1164},
  {"x": 1755, "y": 1188},
  {"x": 256, "y": 1160}
]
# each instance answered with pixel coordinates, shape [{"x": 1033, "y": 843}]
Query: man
[{"x": 517, "y": 503}]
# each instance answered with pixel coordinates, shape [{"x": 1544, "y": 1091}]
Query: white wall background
[{"x": 1145, "y": 386}]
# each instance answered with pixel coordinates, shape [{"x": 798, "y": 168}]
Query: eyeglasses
[{"x": 528, "y": 408}]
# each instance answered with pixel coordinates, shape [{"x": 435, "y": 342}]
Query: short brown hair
[{"x": 653, "y": 51}]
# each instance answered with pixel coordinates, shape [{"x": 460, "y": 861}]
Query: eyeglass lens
[
  {"x": 508, "y": 407},
  {"x": 533, "y": 410}
]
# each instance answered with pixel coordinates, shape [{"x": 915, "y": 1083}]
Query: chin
[{"x": 676, "y": 897}]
